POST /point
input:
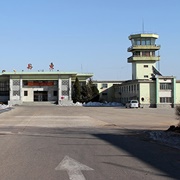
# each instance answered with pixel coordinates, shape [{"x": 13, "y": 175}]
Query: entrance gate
[{"x": 40, "y": 95}]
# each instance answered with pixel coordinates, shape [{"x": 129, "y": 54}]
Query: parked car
[{"x": 132, "y": 104}]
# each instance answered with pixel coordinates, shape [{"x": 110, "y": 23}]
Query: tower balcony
[
  {"x": 143, "y": 58},
  {"x": 143, "y": 47}
]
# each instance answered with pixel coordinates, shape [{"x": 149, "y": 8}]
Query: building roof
[
  {"x": 46, "y": 73},
  {"x": 144, "y": 35},
  {"x": 108, "y": 81}
]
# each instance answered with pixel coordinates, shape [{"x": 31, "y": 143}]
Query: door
[{"x": 40, "y": 95}]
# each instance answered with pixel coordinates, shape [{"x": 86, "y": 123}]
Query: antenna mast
[
  {"x": 143, "y": 25},
  {"x": 158, "y": 62}
]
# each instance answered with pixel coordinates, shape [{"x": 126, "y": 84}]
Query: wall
[
  {"x": 147, "y": 92},
  {"x": 141, "y": 70},
  {"x": 127, "y": 91},
  {"x": 178, "y": 93},
  {"x": 109, "y": 90},
  {"x": 30, "y": 97}
]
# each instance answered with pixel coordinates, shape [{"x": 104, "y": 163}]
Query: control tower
[{"x": 144, "y": 55}]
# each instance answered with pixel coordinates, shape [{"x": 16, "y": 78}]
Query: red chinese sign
[
  {"x": 29, "y": 66},
  {"x": 51, "y": 66},
  {"x": 30, "y": 83}
]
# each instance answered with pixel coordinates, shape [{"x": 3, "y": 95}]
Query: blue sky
[{"x": 85, "y": 35}]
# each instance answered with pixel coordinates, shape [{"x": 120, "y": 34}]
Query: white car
[{"x": 132, "y": 104}]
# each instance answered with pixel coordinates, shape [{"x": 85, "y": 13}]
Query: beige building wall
[
  {"x": 106, "y": 90},
  {"x": 30, "y": 91},
  {"x": 127, "y": 91},
  {"x": 178, "y": 93},
  {"x": 144, "y": 70},
  {"x": 147, "y": 94}
]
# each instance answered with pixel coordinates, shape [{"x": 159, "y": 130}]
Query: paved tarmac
[{"x": 85, "y": 143}]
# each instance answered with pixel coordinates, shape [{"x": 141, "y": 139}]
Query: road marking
[
  {"x": 73, "y": 168},
  {"x": 59, "y": 117}
]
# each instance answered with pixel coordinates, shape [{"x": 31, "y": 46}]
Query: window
[
  {"x": 16, "y": 82},
  {"x": 146, "y": 53},
  {"x": 137, "y": 87},
  {"x": 152, "y": 41},
  {"x": 136, "y": 53},
  {"x": 137, "y": 42},
  {"x": 25, "y": 83},
  {"x": 4, "y": 86},
  {"x": 132, "y": 41},
  {"x": 134, "y": 87},
  {"x": 104, "y": 85},
  {"x": 165, "y": 99},
  {"x": 55, "y": 93},
  {"x": 148, "y": 41},
  {"x": 64, "y": 93},
  {"x": 16, "y": 93},
  {"x": 145, "y": 66},
  {"x": 143, "y": 41},
  {"x": 25, "y": 93},
  {"x": 145, "y": 76},
  {"x": 4, "y": 93},
  {"x": 165, "y": 86}
]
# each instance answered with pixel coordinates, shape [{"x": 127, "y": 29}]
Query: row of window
[
  {"x": 162, "y": 99},
  {"x": 126, "y": 99},
  {"x": 4, "y": 86},
  {"x": 165, "y": 100},
  {"x": 4, "y": 93},
  {"x": 143, "y": 41},
  {"x": 144, "y": 53},
  {"x": 134, "y": 88},
  {"x": 166, "y": 86},
  {"x": 130, "y": 88},
  {"x": 17, "y": 93}
]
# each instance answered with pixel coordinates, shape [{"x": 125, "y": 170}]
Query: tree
[
  {"x": 76, "y": 96},
  {"x": 95, "y": 94},
  {"x": 93, "y": 91},
  {"x": 85, "y": 93}
]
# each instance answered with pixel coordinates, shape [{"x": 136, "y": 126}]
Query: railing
[
  {"x": 143, "y": 46},
  {"x": 143, "y": 32},
  {"x": 134, "y": 58}
]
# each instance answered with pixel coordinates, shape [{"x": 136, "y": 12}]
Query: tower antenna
[
  {"x": 143, "y": 25},
  {"x": 158, "y": 61},
  {"x": 81, "y": 68}
]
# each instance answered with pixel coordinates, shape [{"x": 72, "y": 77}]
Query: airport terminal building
[
  {"x": 20, "y": 87},
  {"x": 148, "y": 85}
]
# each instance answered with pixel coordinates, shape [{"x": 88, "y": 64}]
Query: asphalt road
[{"x": 85, "y": 143}]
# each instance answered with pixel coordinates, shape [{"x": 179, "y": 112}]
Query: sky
[{"x": 86, "y": 36}]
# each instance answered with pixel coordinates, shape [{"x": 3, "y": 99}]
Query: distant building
[
  {"x": 20, "y": 87},
  {"x": 106, "y": 90}
]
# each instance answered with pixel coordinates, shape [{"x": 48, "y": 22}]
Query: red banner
[{"x": 40, "y": 83}]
